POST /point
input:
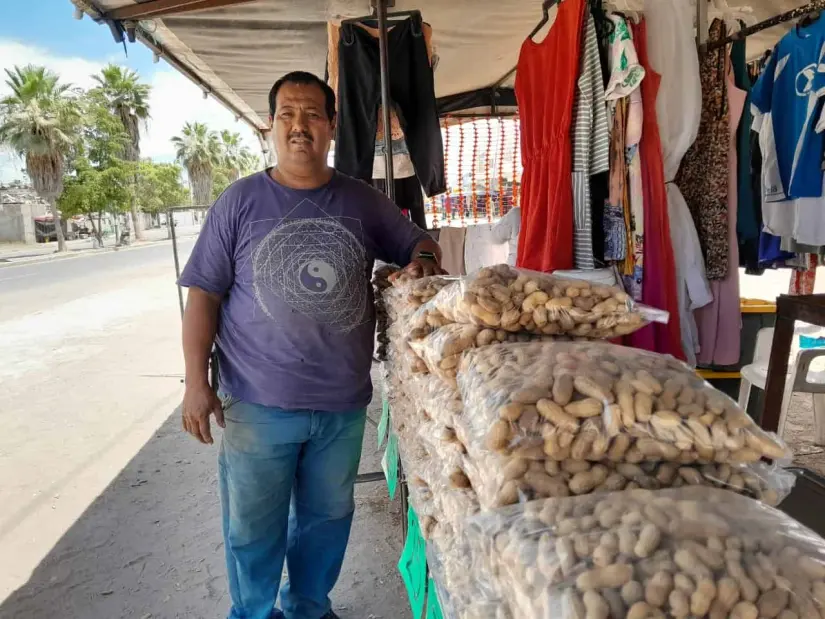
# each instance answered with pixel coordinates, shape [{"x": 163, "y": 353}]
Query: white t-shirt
[
  {"x": 506, "y": 230},
  {"x": 802, "y": 219}
]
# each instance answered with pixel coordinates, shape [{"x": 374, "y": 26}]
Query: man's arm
[
  {"x": 200, "y": 324},
  {"x": 425, "y": 260}
]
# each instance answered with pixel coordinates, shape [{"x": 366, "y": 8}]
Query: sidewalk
[{"x": 22, "y": 253}]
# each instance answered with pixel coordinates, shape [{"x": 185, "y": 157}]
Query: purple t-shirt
[{"x": 294, "y": 267}]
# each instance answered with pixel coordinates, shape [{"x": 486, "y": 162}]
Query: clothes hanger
[
  {"x": 372, "y": 20},
  {"x": 545, "y": 16},
  {"x": 809, "y": 19}
]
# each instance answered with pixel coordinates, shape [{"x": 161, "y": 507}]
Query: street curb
[{"x": 56, "y": 257}]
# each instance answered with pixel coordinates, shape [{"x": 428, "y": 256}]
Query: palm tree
[
  {"x": 199, "y": 151},
  {"x": 128, "y": 99},
  {"x": 40, "y": 120},
  {"x": 236, "y": 157}
]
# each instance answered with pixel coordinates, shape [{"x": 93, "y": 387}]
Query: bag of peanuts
[
  {"x": 692, "y": 552},
  {"x": 515, "y": 301},
  {"x": 596, "y": 401},
  {"x": 439, "y": 401},
  {"x": 529, "y": 406},
  {"x": 441, "y": 349}
]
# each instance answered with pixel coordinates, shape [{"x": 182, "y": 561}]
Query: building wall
[{"x": 18, "y": 208}]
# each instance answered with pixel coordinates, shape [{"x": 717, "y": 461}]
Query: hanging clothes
[
  {"x": 703, "y": 175},
  {"x": 635, "y": 209},
  {"x": 659, "y": 289},
  {"x": 720, "y": 322},
  {"x": 411, "y": 89},
  {"x": 481, "y": 249},
  {"x": 802, "y": 219},
  {"x": 591, "y": 143},
  {"x": 545, "y": 113},
  {"x": 803, "y": 280},
  {"x": 748, "y": 206},
  {"x": 451, "y": 241},
  {"x": 790, "y": 86},
  {"x": 672, "y": 48},
  {"x": 615, "y": 231},
  {"x": 402, "y": 164},
  {"x": 408, "y": 197},
  {"x": 624, "y": 103}
]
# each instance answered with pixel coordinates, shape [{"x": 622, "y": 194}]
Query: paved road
[
  {"x": 108, "y": 508},
  {"x": 37, "y": 286}
]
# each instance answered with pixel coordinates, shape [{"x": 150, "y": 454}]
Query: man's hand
[
  {"x": 200, "y": 401},
  {"x": 418, "y": 268}
]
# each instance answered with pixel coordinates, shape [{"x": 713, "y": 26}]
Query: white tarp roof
[{"x": 239, "y": 51}]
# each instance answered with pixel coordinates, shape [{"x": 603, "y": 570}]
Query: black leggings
[{"x": 411, "y": 90}]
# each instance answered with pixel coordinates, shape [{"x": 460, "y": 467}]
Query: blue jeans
[{"x": 286, "y": 483}]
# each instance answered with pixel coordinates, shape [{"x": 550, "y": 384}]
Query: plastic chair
[{"x": 800, "y": 380}]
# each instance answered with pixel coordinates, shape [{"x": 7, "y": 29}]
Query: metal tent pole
[
  {"x": 170, "y": 221},
  {"x": 381, "y": 11},
  {"x": 701, "y": 22}
]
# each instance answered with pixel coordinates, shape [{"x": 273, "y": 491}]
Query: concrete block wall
[{"x": 18, "y": 208}]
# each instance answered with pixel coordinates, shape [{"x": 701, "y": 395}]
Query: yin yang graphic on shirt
[
  {"x": 318, "y": 276},
  {"x": 317, "y": 266}
]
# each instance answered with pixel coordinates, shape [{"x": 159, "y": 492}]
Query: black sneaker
[{"x": 330, "y": 615}]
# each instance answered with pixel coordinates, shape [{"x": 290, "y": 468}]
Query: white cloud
[
  {"x": 174, "y": 101},
  {"x": 73, "y": 70}
]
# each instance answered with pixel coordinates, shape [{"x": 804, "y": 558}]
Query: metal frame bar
[
  {"x": 701, "y": 22},
  {"x": 381, "y": 10},
  {"x": 148, "y": 40},
  {"x": 802, "y": 11},
  {"x": 162, "y": 8}
]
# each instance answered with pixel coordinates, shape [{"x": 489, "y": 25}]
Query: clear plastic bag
[
  {"x": 528, "y": 406},
  {"x": 595, "y": 401},
  {"x": 520, "y": 301},
  {"x": 437, "y": 399},
  {"x": 691, "y": 552},
  {"x": 441, "y": 348}
]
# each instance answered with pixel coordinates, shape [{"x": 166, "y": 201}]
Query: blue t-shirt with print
[
  {"x": 790, "y": 88},
  {"x": 293, "y": 268}
]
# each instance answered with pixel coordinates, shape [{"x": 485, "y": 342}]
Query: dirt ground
[
  {"x": 107, "y": 510},
  {"x": 799, "y": 434},
  {"x": 150, "y": 546}
]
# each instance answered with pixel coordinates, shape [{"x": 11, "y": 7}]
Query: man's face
[{"x": 301, "y": 128}]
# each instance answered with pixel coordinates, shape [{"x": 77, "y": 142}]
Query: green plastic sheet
[{"x": 413, "y": 565}]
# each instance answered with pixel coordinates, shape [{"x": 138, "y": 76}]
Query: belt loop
[
  {"x": 417, "y": 25},
  {"x": 347, "y": 34}
]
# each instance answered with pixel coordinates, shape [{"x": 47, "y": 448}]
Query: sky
[{"x": 44, "y": 32}]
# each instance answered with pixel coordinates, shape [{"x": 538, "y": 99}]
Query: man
[{"x": 279, "y": 281}]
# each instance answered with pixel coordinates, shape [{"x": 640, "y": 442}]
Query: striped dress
[{"x": 591, "y": 143}]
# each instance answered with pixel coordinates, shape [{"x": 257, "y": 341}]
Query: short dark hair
[{"x": 304, "y": 77}]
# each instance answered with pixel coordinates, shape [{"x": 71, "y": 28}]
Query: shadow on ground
[{"x": 150, "y": 546}]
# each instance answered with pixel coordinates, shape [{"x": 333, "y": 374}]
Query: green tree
[
  {"x": 104, "y": 136},
  {"x": 220, "y": 181},
  {"x": 199, "y": 151},
  {"x": 128, "y": 99},
  {"x": 236, "y": 157},
  {"x": 160, "y": 187},
  {"x": 40, "y": 120},
  {"x": 93, "y": 192}
]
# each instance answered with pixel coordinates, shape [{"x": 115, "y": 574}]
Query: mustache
[{"x": 300, "y": 134}]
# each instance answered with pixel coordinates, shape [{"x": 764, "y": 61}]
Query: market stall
[{"x": 503, "y": 399}]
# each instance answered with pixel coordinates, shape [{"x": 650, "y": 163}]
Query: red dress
[
  {"x": 545, "y": 87},
  {"x": 659, "y": 284}
]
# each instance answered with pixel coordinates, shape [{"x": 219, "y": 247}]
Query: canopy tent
[{"x": 236, "y": 49}]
